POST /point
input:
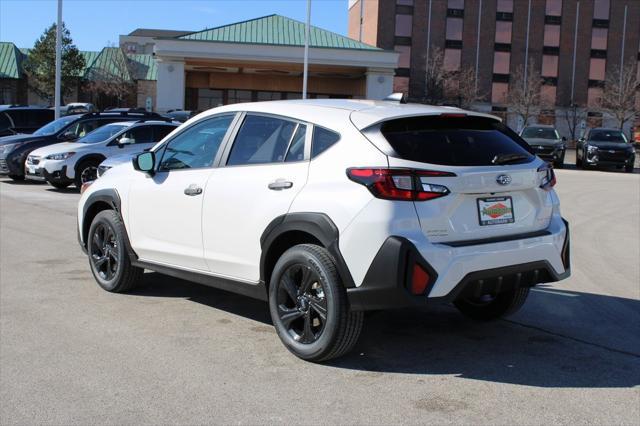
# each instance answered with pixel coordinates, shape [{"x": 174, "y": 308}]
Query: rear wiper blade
[{"x": 508, "y": 158}]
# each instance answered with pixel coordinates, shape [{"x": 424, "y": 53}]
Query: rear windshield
[{"x": 456, "y": 141}]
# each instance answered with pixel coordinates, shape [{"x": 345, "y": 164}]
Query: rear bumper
[{"x": 387, "y": 282}]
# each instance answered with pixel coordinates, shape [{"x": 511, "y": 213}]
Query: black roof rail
[{"x": 158, "y": 118}]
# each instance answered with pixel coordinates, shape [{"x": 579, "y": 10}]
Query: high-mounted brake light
[
  {"x": 547, "y": 176},
  {"x": 400, "y": 184}
]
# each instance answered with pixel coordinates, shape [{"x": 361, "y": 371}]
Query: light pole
[
  {"x": 57, "y": 98},
  {"x": 305, "y": 71}
]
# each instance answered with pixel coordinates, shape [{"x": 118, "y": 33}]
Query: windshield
[
  {"x": 607, "y": 136},
  {"x": 103, "y": 133},
  {"x": 55, "y": 126},
  {"x": 540, "y": 133}
]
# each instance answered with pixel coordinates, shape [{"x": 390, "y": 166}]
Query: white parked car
[
  {"x": 329, "y": 208},
  {"x": 77, "y": 162}
]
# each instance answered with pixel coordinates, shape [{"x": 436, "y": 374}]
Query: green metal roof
[
  {"x": 144, "y": 66},
  {"x": 89, "y": 59},
  {"x": 276, "y": 30},
  {"x": 10, "y": 60},
  {"x": 109, "y": 63}
]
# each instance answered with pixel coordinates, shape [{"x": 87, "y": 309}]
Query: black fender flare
[
  {"x": 104, "y": 196},
  {"x": 319, "y": 225}
]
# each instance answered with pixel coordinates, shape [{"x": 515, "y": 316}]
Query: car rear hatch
[{"x": 491, "y": 184}]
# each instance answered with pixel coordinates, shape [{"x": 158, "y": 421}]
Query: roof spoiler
[{"x": 399, "y": 97}]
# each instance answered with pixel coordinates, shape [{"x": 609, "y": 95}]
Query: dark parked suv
[
  {"x": 23, "y": 119},
  {"x": 605, "y": 147},
  {"x": 15, "y": 149}
]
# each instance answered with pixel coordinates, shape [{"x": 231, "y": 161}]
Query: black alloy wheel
[
  {"x": 89, "y": 174},
  {"x": 302, "y": 305},
  {"x": 105, "y": 251}
]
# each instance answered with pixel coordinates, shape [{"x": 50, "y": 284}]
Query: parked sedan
[
  {"x": 546, "y": 143},
  {"x": 605, "y": 147}
]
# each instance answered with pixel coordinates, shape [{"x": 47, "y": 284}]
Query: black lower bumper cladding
[{"x": 387, "y": 282}]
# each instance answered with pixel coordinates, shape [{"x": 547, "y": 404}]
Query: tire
[
  {"x": 558, "y": 164},
  {"x": 628, "y": 168},
  {"x": 578, "y": 161},
  {"x": 16, "y": 178},
  {"x": 504, "y": 304},
  {"x": 304, "y": 284},
  {"x": 87, "y": 170},
  {"x": 108, "y": 259},
  {"x": 59, "y": 185}
]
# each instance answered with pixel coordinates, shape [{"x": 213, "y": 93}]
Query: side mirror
[
  {"x": 145, "y": 162},
  {"x": 69, "y": 136},
  {"x": 564, "y": 138},
  {"x": 126, "y": 141}
]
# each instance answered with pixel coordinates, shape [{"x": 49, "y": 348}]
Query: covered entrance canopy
[{"x": 261, "y": 59}]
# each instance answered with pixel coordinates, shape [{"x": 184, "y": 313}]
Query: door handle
[
  {"x": 192, "y": 190},
  {"x": 280, "y": 184}
]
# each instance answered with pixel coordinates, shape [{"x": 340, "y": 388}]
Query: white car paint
[{"x": 219, "y": 232}]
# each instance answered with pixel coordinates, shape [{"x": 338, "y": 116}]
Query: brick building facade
[{"x": 496, "y": 37}]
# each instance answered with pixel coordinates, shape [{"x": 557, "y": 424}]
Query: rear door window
[
  {"x": 455, "y": 141},
  {"x": 261, "y": 140},
  {"x": 5, "y": 123}
]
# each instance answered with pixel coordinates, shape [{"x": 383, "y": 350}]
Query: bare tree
[
  {"x": 435, "y": 77},
  {"x": 112, "y": 75},
  {"x": 573, "y": 116},
  {"x": 461, "y": 88},
  {"x": 619, "y": 94},
  {"x": 524, "y": 99}
]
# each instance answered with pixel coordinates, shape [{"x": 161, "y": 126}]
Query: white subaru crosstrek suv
[
  {"x": 329, "y": 208},
  {"x": 77, "y": 162}
]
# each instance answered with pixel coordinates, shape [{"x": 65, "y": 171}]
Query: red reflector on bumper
[{"x": 419, "y": 280}]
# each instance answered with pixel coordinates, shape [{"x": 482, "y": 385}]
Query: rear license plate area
[{"x": 495, "y": 211}]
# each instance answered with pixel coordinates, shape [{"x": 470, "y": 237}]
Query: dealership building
[{"x": 254, "y": 60}]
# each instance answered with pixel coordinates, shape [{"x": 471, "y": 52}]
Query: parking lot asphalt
[{"x": 175, "y": 352}]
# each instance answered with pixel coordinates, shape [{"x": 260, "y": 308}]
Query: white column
[
  {"x": 379, "y": 83},
  {"x": 171, "y": 85}
]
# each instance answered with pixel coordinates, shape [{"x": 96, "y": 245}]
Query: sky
[{"x": 95, "y": 24}]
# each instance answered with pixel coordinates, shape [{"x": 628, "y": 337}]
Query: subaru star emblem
[{"x": 503, "y": 179}]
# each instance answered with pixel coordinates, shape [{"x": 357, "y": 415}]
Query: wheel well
[
  {"x": 91, "y": 213},
  {"x": 283, "y": 243},
  {"x": 93, "y": 157}
]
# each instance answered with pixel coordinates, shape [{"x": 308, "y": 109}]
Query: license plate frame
[{"x": 502, "y": 207}]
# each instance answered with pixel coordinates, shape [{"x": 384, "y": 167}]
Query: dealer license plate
[{"x": 495, "y": 211}]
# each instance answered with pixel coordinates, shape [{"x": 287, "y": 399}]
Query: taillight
[
  {"x": 547, "y": 176},
  {"x": 400, "y": 184}
]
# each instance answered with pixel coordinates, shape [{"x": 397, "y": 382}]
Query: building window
[
  {"x": 553, "y": 8},
  {"x": 596, "y": 69},
  {"x": 505, "y": 6},
  {"x": 599, "y": 38},
  {"x": 601, "y": 9},
  {"x": 403, "y": 25},
  {"x": 552, "y": 35},
  {"x": 549, "y": 66},
  {"x": 209, "y": 98},
  {"x": 503, "y": 32},
  {"x": 454, "y": 29},
  {"x": 268, "y": 96},
  {"x": 548, "y": 95},
  {"x": 452, "y": 59},
  {"x": 404, "y": 60},
  {"x": 501, "y": 62},
  {"x": 594, "y": 95},
  {"x": 455, "y": 4},
  {"x": 499, "y": 93},
  {"x": 238, "y": 96}
]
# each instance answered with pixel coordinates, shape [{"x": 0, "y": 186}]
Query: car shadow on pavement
[{"x": 559, "y": 339}]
